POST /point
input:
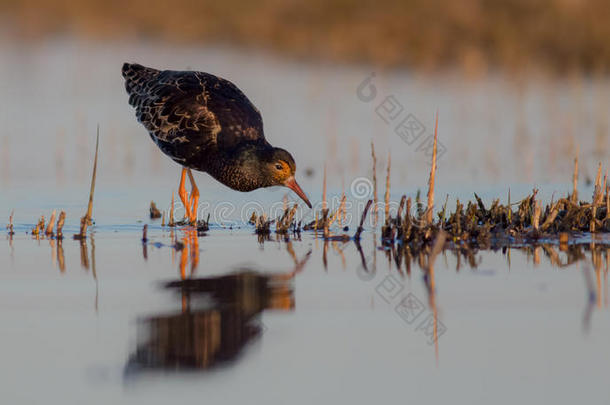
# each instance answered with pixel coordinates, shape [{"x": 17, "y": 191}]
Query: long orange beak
[{"x": 292, "y": 184}]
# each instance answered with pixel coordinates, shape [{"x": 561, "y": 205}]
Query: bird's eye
[{"x": 278, "y": 166}]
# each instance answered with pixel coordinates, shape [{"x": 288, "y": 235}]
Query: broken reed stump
[
  {"x": 203, "y": 225},
  {"x": 154, "y": 211},
  {"x": 262, "y": 225},
  {"x": 39, "y": 227},
  {"x": 49, "y": 231},
  {"x": 60, "y": 225},
  {"x": 362, "y": 219},
  {"x": 82, "y": 234},
  {"x": 11, "y": 232}
]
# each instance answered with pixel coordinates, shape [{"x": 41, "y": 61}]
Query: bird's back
[{"x": 192, "y": 116}]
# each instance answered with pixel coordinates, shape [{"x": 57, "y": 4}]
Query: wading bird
[{"x": 206, "y": 123}]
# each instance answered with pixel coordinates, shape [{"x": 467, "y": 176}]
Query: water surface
[{"x": 230, "y": 318}]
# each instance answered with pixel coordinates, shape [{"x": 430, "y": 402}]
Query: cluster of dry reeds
[
  {"x": 415, "y": 224},
  {"x": 202, "y": 225},
  {"x": 50, "y": 229},
  {"x": 324, "y": 219},
  {"x": 53, "y": 229},
  {"x": 284, "y": 224},
  {"x": 474, "y": 224}
]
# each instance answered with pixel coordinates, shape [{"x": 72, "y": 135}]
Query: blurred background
[
  {"x": 559, "y": 35},
  {"x": 521, "y": 87}
]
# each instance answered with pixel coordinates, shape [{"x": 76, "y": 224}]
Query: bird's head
[{"x": 278, "y": 168}]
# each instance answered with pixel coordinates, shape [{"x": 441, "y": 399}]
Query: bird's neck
[{"x": 239, "y": 169}]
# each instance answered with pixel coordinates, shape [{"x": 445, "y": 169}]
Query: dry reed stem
[
  {"x": 10, "y": 224},
  {"x": 387, "y": 190},
  {"x": 575, "y": 181},
  {"x": 262, "y": 225},
  {"x": 604, "y": 183},
  {"x": 86, "y": 220},
  {"x": 551, "y": 217},
  {"x": 60, "y": 224},
  {"x": 163, "y": 219},
  {"x": 597, "y": 198},
  {"x": 171, "y": 213},
  {"x": 92, "y": 190},
  {"x": 342, "y": 204},
  {"x": 510, "y": 210},
  {"x": 283, "y": 224},
  {"x": 39, "y": 227},
  {"x": 342, "y": 208},
  {"x": 607, "y": 202},
  {"x": 324, "y": 203},
  {"x": 432, "y": 175},
  {"x": 597, "y": 192},
  {"x": 375, "y": 199},
  {"x": 332, "y": 219},
  {"x": 51, "y": 224},
  {"x": 83, "y": 229},
  {"x": 536, "y": 216}
]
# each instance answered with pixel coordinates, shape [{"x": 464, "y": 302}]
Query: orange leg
[
  {"x": 193, "y": 199},
  {"x": 183, "y": 195}
]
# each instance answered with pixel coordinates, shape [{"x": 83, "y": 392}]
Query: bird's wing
[{"x": 187, "y": 113}]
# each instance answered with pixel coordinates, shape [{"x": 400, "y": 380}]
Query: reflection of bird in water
[
  {"x": 219, "y": 318},
  {"x": 206, "y": 123}
]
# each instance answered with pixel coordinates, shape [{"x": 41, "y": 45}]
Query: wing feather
[{"x": 191, "y": 114}]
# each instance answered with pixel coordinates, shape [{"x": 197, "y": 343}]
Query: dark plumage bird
[{"x": 206, "y": 123}]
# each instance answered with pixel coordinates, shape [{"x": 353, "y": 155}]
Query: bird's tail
[{"x": 137, "y": 77}]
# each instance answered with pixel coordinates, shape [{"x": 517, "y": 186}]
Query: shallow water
[
  {"x": 299, "y": 321},
  {"x": 323, "y": 334}
]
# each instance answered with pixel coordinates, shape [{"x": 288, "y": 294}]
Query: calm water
[{"x": 229, "y": 318}]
